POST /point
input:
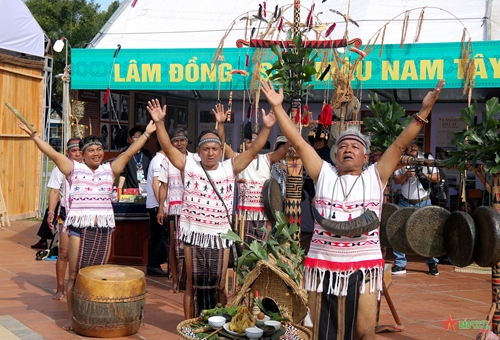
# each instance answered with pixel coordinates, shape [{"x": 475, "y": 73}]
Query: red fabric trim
[
  {"x": 106, "y": 95},
  {"x": 342, "y": 267},
  {"x": 240, "y": 207}
]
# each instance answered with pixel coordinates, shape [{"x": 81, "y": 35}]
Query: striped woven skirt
[
  {"x": 337, "y": 315},
  {"x": 207, "y": 274},
  {"x": 94, "y": 246},
  {"x": 253, "y": 231}
]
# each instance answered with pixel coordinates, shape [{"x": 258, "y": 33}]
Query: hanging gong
[
  {"x": 387, "y": 210},
  {"x": 272, "y": 198},
  {"x": 460, "y": 238},
  {"x": 487, "y": 222},
  {"x": 424, "y": 231},
  {"x": 349, "y": 109},
  {"x": 396, "y": 234},
  {"x": 362, "y": 224}
]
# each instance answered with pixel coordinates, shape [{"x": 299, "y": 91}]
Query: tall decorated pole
[
  {"x": 299, "y": 55},
  {"x": 294, "y": 163}
]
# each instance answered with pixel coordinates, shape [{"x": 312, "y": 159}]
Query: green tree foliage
[
  {"x": 77, "y": 20},
  {"x": 293, "y": 69},
  {"x": 386, "y": 124},
  {"x": 479, "y": 141},
  {"x": 281, "y": 245}
]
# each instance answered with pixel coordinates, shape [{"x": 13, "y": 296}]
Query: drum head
[
  {"x": 396, "y": 233},
  {"x": 460, "y": 238},
  {"x": 487, "y": 222},
  {"x": 424, "y": 231},
  {"x": 110, "y": 282},
  {"x": 272, "y": 199},
  {"x": 387, "y": 210}
]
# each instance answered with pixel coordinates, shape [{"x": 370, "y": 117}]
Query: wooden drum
[{"x": 108, "y": 301}]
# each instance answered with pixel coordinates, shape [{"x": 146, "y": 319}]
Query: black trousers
[
  {"x": 44, "y": 231},
  {"x": 158, "y": 240}
]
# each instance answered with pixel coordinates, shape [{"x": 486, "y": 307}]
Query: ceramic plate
[{"x": 226, "y": 328}]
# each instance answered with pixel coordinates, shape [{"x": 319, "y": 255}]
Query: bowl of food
[
  {"x": 253, "y": 332},
  {"x": 268, "y": 331},
  {"x": 216, "y": 321},
  {"x": 274, "y": 323},
  {"x": 261, "y": 319}
]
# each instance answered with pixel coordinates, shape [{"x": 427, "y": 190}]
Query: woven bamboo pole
[{"x": 294, "y": 163}]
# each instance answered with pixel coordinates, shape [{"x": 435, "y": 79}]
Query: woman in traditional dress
[{"x": 90, "y": 218}]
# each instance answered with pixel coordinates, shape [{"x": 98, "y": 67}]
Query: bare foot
[
  {"x": 175, "y": 289},
  {"x": 59, "y": 296},
  {"x": 68, "y": 326}
]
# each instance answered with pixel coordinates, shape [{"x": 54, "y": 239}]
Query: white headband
[
  {"x": 209, "y": 140},
  {"x": 72, "y": 146},
  {"x": 177, "y": 137},
  {"x": 95, "y": 142}
]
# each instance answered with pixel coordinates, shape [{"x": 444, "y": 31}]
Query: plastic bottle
[{"x": 114, "y": 195}]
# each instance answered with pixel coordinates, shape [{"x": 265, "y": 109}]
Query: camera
[{"x": 426, "y": 183}]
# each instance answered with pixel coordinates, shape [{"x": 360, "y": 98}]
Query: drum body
[{"x": 108, "y": 301}]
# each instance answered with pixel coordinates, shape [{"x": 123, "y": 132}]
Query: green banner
[{"x": 413, "y": 66}]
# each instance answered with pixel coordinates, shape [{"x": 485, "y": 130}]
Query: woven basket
[
  {"x": 272, "y": 283},
  {"x": 186, "y": 323},
  {"x": 304, "y": 333}
]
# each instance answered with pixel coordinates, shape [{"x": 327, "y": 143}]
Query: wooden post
[{"x": 4, "y": 216}]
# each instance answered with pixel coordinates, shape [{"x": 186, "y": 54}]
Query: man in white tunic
[
  {"x": 206, "y": 211},
  {"x": 344, "y": 274},
  {"x": 251, "y": 181}
]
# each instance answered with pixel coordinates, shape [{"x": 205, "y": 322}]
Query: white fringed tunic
[
  {"x": 339, "y": 254},
  {"x": 203, "y": 216},
  {"x": 171, "y": 175},
  {"x": 90, "y": 197}
]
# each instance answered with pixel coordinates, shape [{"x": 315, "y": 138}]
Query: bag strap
[{"x": 217, "y": 192}]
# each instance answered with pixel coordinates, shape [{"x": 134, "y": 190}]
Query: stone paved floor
[{"x": 423, "y": 302}]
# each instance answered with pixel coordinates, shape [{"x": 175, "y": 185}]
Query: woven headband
[
  {"x": 177, "y": 138},
  {"x": 209, "y": 140},
  {"x": 90, "y": 144},
  {"x": 72, "y": 146},
  {"x": 354, "y": 137}
]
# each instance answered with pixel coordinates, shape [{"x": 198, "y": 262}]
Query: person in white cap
[{"x": 344, "y": 273}]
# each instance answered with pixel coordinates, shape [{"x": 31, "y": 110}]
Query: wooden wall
[{"x": 21, "y": 84}]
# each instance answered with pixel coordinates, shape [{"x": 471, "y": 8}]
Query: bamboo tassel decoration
[
  {"x": 382, "y": 42},
  {"x": 419, "y": 25},
  {"x": 404, "y": 30}
]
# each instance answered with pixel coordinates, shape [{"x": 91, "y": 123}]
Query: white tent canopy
[
  {"x": 20, "y": 31},
  {"x": 202, "y": 24}
]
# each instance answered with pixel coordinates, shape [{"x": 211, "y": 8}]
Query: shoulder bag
[{"x": 235, "y": 249}]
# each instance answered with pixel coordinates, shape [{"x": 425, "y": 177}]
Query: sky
[{"x": 104, "y": 3}]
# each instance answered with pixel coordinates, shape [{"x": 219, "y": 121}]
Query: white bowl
[
  {"x": 216, "y": 321},
  {"x": 261, "y": 322},
  {"x": 274, "y": 323},
  {"x": 254, "y": 332}
]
